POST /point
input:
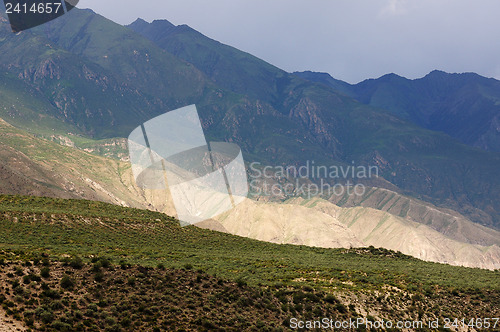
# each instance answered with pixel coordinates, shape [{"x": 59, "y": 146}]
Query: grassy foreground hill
[{"x": 79, "y": 265}]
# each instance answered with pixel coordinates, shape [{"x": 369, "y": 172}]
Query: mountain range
[{"x": 86, "y": 82}]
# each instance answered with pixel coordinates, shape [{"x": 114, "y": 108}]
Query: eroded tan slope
[
  {"x": 320, "y": 223},
  {"x": 33, "y": 166},
  {"x": 446, "y": 221},
  {"x": 382, "y": 229},
  {"x": 287, "y": 223}
]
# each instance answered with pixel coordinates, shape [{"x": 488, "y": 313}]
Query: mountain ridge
[{"x": 464, "y": 105}]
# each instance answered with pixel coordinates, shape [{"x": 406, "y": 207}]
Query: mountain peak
[
  {"x": 139, "y": 23},
  {"x": 392, "y": 76},
  {"x": 162, "y": 24},
  {"x": 437, "y": 73},
  {"x": 157, "y": 27},
  {"x": 443, "y": 74},
  {"x": 317, "y": 73}
]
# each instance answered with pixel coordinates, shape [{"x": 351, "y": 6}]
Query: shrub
[
  {"x": 298, "y": 297},
  {"x": 45, "y": 272},
  {"x": 308, "y": 288},
  {"x": 99, "y": 276},
  {"x": 78, "y": 314},
  {"x": 93, "y": 307},
  {"x": 35, "y": 277},
  {"x": 313, "y": 297},
  {"x": 123, "y": 265},
  {"x": 76, "y": 262},
  {"x": 105, "y": 262},
  {"x": 61, "y": 326},
  {"x": 19, "y": 271},
  {"x": 341, "y": 308},
  {"x": 50, "y": 293},
  {"x": 19, "y": 290},
  {"x": 131, "y": 281},
  {"x": 29, "y": 321},
  {"x": 46, "y": 316},
  {"x": 26, "y": 279},
  {"x": 56, "y": 305},
  {"x": 96, "y": 267},
  {"x": 241, "y": 282},
  {"x": 110, "y": 321},
  {"x": 331, "y": 299},
  {"x": 67, "y": 282}
]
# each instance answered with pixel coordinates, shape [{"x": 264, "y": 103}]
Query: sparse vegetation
[{"x": 88, "y": 266}]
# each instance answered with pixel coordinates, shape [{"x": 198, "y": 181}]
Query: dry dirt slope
[
  {"x": 320, "y": 223},
  {"x": 446, "y": 221},
  {"x": 33, "y": 166},
  {"x": 8, "y": 324}
]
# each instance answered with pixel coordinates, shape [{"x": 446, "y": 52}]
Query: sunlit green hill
[{"x": 274, "y": 282}]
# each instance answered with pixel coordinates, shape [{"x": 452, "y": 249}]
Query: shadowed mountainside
[
  {"x": 350, "y": 131},
  {"x": 465, "y": 106}
]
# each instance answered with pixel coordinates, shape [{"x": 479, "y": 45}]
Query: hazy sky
[{"x": 350, "y": 39}]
